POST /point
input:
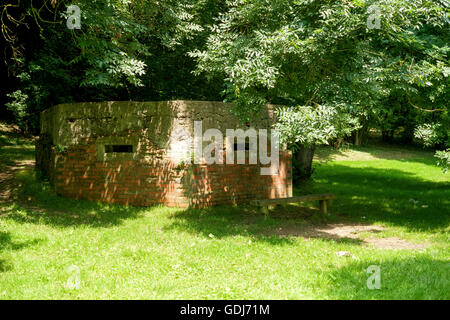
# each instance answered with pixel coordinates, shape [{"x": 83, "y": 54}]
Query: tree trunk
[
  {"x": 360, "y": 135},
  {"x": 303, "y": 162},
  {"x": 338, "y": 143},
  {"x": 357, "y": 138}
]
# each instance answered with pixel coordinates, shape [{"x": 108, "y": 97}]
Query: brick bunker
[{"x": 140, "y": 153}]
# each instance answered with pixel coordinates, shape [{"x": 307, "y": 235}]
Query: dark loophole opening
[
  {"x": 119, "y": 148},
  {"x": 241, "y": 146}
]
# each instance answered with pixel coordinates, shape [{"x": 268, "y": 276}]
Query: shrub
[
  {"x": 443, "y": 159},
  {"x": 430, "y": 134}
]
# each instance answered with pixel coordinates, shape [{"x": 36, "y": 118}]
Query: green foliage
[
  {"x": 436, "y": 135},
  {"x": 443, "y": 159},
  {"x": 18, "y": 106},
  {"x": 124, "y": 50},
  {"x": 174, "y": 29},
  {"x": 323, "y": 53},
  {"x": 60, "y": 148},
  {"x": 429, "y": 134},
  {"x": 109, "y": 43},
  {"x": 286, "y": 52},
  {"x": 309, "y": 126}
]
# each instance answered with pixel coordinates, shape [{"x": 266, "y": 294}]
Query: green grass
[{"x": 235, "y": 252}]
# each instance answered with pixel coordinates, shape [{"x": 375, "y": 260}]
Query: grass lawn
[{"x": 392, "y": 211}]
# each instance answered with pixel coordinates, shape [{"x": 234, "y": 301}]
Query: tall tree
[
  {"x": 124, "y": 49},
  {"x": 364, "y": 58}
]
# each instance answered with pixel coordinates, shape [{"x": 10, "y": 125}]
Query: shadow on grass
[
  {"x": 281, "y": 226},
  {"x": 420, "y": 277},
  {"x": 6, "y": 243},
  {"x": 375, "y": 194},
  {"x": 226, "y": 221},
  {"x": 5, "y": 265},
  {"x": 67, "y": 213},
  {"x": 387, "y": 195},
  {"x": 37, "y": 203}
]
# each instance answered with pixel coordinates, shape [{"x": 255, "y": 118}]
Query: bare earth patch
[
  {"x": 341, "y": 230},
  {"x": 7, "y": 179},
  {"x": 350, "y": 232}
]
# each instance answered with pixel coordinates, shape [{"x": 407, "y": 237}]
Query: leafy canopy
[{"x": 323, "y": 53}]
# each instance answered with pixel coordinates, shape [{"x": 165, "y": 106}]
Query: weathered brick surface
[
  {"x": 79, "y": 175},
  {"x": 152, "y": 175}
]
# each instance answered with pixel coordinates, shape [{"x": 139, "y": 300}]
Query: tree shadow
[
  {"x": 420, "y": 277},
  {"x": 7, "y": 243},
  {"x": 36, "y": 202},
  {"x": 5, "y": 265},
  {"x": 69, "y": 213},
  {"x": 282, "y": 226},
  {"x": 225, "y": 221},
  {"x": 388, "y": 195}
]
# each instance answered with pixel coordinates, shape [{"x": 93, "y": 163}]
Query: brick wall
[
  {"x": 80, "y": 175},
  {"x": 72, "y": 152}
]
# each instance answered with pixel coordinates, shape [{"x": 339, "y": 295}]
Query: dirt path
[
  {"x": 350, "y": 232},
  {"x": 7, "y": 179}
]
